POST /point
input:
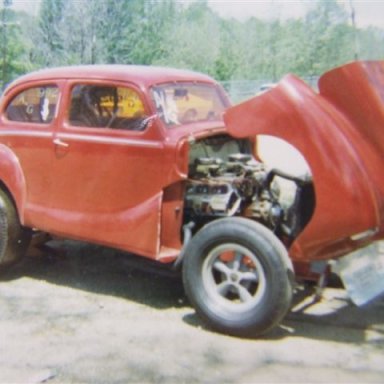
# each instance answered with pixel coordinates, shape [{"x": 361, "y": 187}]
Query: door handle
[{"x": 60, "y": 143}]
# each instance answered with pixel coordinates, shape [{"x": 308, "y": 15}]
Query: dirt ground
[{"x": 95, "y": 315}]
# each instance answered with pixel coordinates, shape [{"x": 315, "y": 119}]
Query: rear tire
[
  {"x": 238, "y": 277},
  {"x": 14, "y": 239}
]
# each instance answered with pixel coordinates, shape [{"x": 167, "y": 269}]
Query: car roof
[{"x": 143, "y": 75}]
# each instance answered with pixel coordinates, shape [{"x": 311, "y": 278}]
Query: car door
[
  {"x": 27, "y": 132},
  {"x": 110, "y": 168}
]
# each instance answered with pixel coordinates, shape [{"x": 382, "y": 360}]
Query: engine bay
[{"x": 225, "y": 180}]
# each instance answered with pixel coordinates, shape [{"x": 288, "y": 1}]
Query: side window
[
  {"x": 34, "y": 105},
  {"x": 106, "y": 107}
]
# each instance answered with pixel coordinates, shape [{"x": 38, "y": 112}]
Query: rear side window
[
  {"x": 34, "y": 105},
  {"x": 106, "y": 106}
]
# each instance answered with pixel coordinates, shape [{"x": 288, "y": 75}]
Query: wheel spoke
[
  {"x": 221, "y": 267},
  {"x": 249, "y": 276},
  {"x": 234, "y": 276},
  {"x": 244, "y": 295},
  {"x": 237, "y": 262},
  {"x": 223, "y": 288}
]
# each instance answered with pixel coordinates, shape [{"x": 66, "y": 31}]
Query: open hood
[
  {"x": 355, "y": 89},
  {"x": 340, "y": 133}
]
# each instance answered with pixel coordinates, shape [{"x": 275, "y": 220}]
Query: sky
[{"x": 368, "y": 12}]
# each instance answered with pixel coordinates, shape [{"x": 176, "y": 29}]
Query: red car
[{"x": 141, "y": 159}]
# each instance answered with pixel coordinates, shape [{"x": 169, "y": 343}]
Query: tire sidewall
[
  {"x": 14, "y": 239},
  {"x": 3, "y": 232}
]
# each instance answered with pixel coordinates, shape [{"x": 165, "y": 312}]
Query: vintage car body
[
  {"x": 63, "y": 178},
  {"x": 140, "y": 159}
]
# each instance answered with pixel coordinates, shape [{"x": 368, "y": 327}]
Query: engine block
[{"x": 239, "y": 186}]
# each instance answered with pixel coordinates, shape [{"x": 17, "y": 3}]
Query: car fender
[
  {"x": 12, "y": 177},
  {"x": 348, "y": 202}
]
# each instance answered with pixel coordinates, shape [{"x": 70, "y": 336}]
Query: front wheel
[{"x": 238, "y": 277}]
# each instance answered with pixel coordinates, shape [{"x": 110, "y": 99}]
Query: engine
[
  {"x": 240, "y": 186},
  {"x": 223, "y": 183}
]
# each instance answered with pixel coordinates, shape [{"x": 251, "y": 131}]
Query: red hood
[{"x": 340, "y": 132}]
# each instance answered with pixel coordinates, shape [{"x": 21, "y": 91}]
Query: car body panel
[
  {"x": 334, "y": 138},
  {"x": 118, "y": 188}
]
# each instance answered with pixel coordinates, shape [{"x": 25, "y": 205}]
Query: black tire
[
  {"x": 14, "y": 239},
  {"x": 238, "y": 277}
]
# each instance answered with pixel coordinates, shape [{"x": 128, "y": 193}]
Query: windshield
[{"x": 185, "y": 103}]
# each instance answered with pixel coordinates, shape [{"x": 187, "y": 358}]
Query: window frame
[
  {"x": 73, "y": 83},
  {"x": 41, "y": 123}
]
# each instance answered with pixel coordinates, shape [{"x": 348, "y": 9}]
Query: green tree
[
  {"x": 229, "y": 58},
  {"x": 192, "y": 39},
  {"x": 148, "y": 37},
  {"x": 15, "y": 60},
  {"x": 80, "y": 29},
  {"x": 251, "y": 41},
  {"x": 328, "y": 41},
  {"x": 118, "y": 21},
  {"x": 187, "y": 35},
  {"x": 50, "y": 39},
  {"x": 5, "y": 40},
  {"x": 371, "y": 43}
]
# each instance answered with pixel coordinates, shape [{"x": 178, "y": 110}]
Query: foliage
[
  {"x": 50, "y": 38},
  {"x": 170, "y": 33}
]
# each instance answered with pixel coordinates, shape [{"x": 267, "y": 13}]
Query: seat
[{"x": 84, "y": 110}]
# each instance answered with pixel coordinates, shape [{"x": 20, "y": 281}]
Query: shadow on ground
[
  {"x": 114, "y": 273},
  {"x": 103, "y": 271}
]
